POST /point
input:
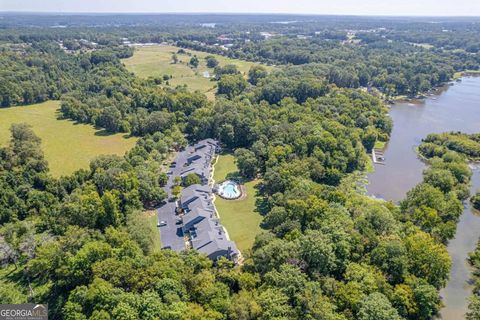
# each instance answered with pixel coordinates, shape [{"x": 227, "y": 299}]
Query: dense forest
[
  {"x": 457, "y": 149},
  {"x": 396, "y": 68},
  {"x": 327, "y": 250},
  {"x": 397, "y": 57}
]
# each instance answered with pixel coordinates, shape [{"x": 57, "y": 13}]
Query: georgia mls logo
[
  {"x": 27, "y": 311},
  {"x": 40, "y": 310}
]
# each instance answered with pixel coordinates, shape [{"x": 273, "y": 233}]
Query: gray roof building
[
  {"x": 195, "y": 217},
  {"x": 199, "y": 221},
  {"x": 209, "y": 237},
  {"x": 199, "y": 159},
  {"x": 196, "y": 196}
]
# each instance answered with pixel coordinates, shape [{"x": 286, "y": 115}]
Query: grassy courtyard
[
  {"x": 156, "y": 61},
  {"x": 238, "y": 216},
  {"x": 67, "y": 146}
]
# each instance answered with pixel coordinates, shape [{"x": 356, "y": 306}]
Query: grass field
[
  {"x": 238, "y": 216},
  {"x": 380, "y": 144},
  {"x": 67, "y": 146},
  {"x": 151, "y": 217},
  {"x": 157, "y": 60},
  {"x": 466, "y": 73}
]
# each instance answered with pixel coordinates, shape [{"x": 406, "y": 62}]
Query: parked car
[{"x": 162, "y": 223}]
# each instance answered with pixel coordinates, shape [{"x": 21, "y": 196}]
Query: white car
[{"x": 162, "y": 223}]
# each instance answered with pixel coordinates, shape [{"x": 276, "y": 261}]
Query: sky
[{"x": 342, "y": 7}]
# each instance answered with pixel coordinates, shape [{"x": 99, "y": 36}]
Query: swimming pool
[{"x": 229, "y": 190}]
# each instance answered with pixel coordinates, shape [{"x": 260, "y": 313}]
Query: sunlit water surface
[{"x": 455, "y": 108}]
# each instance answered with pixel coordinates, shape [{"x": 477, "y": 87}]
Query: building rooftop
[
  {"x": 200, "y": 221},
  {"x": 196, "y": 216},
  {"x": 210, "y": 238}
]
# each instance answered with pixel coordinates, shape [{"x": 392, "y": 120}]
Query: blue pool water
[{"x": 229, "y": 190}]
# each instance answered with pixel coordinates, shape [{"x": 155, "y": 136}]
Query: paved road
[{"x": 171, "y": 234}]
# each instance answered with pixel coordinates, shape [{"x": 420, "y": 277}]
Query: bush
[{"x": 476, "y": 200}]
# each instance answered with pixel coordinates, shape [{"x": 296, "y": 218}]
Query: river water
[{"x": 454, "y": 108}]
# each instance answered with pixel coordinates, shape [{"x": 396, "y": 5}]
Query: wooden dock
[{"x": 378, "y": 156}]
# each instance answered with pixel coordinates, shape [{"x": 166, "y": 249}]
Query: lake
[{"x": 454, "y": 108}]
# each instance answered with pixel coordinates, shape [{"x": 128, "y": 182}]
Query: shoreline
[
  {"x": 457, "y": 288},
  {"x": 434, "y": 91}
]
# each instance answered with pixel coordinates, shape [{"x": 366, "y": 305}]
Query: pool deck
[
  {"x": 214, "y": 195},
  {"x": 236, "y": 185}
]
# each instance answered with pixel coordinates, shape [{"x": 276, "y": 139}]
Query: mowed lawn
[
  {"x": 156, "y": 61},
  {"x": 238, "y": 216},
  {"x": 152, "y": 219},
  {"x": 67, "y": 146}
]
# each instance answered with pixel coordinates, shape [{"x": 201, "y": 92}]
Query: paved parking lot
[{"x": 171, "y": 234}]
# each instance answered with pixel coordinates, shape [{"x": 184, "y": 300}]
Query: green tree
[
  {"x": 110, "y": 119},
  {"x": 274, "y": 305},
  {"x": 212, "y": 62},
  {"x": 473, "y": 308},
  {"x": 177, "y": 180},
  {"x": 428, "y": 259},
  {"x": 377, "y": 307},
  {"x": 369, "y": 138},
  {"x": 247, "y": 162},
  {"x": 231, "y": 85},
  {"x": 244, "y": 306},
  {"x": 85, "y": 208},
  {"x": 440, "y": 178},
  {"x": 391, "y": 257},
  {"x": 317, "y": 251},
  {"x": 476, "y": 200},
  {"x": 256, "y": 73},
  {"x": 194, "y": 61},
  {"x": 191, "y": 179},
  {"x": 229, "y": 69},
  {"x": 10, "y": 293},
  {"x": 110, "y": 203},
  {"x": 427, "y": 300},
  {"x": 176, "y": 191}
]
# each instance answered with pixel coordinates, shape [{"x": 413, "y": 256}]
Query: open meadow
[
  {"x": 239, "y": 217},
  {"x": 68, "y": 146},
  {"x": 156, "y": 61}
]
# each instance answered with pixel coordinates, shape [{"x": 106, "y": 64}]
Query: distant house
[{"x": 223, "y": 38}]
